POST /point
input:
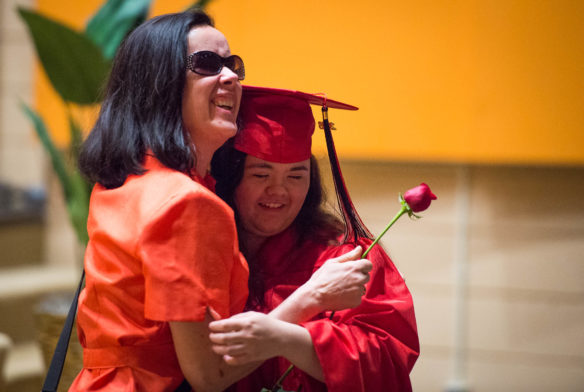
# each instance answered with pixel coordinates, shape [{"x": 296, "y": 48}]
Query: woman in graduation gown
[{"x": 268, "y": 175}]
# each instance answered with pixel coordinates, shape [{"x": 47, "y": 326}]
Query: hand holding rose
[{"x": 340, "y": 282}]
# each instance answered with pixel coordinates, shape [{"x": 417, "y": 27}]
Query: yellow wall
[{"x": 454, "y": 81}]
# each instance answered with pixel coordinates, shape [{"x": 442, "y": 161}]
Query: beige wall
[
  {"x": 20, "y": 160},
  {"x": 525, "y": 269},
  {"x": 23, "y": 162}
]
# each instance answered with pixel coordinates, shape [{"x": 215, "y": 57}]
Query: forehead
[
  {"x": 207, "y": 38},
  {"x": 253, "y": 162}
]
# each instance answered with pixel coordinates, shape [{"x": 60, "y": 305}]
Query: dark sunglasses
[{"x": 209, "y": 63}]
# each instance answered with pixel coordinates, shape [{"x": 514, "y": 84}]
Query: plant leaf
[
  {"x": 200, "y": 4},
  {"x": 73, "y": 63},
  {"x": 76, "y": 136},
  {"x": 114, "y": 20},
  {"x": 78, "y": 205},
  {"x": 56, "y": 157},
  {"x": 75, "y": 188}
]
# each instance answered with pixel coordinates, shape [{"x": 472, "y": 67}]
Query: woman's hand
[
  {"x": 340, "y": 282},
  {"x": 248, "y": 337},
  {"x": 253, "y": 337}
]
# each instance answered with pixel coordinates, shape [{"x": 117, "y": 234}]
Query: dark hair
[
  {"x": 313, "y": 221},
  {"x": 142, "y": 108}
]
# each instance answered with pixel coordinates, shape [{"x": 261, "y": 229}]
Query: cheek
[
  {"x": 300, "y": 195},
  {"x": 195, "y": 94},
  {"x": 244, "y": 204},
  {"x": 189, "y": 104},
  {"x": 244, "y": 198}
]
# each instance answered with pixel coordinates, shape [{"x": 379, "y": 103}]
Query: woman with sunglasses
[
  {"x": 269, "y": 177},
  {"x": 163, "y": 257},
  {"x": 162, "y": 249}
]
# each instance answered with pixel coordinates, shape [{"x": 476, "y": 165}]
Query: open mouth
[
  {"x": 271, "y": 205},
  {"x": 224, "y": 103}
]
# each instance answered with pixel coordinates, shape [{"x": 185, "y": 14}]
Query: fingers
[
  {"x": 233, "y": 323},
  {"x": 355, "y": 254},
  {"x": 230, "y": 346},
  {"x": 237, "y": 360},
  {"x": 213, "y": 313},
  {"x": 232, "y": 350},
  {"x": 225, "y": 337},
  {"x": 232, "y": 360},
  {"x": 364, "y": 265},
  {"x": 233, "y": 355},
  {"x": 361, "y": 269},
  {"x": 226, "y": 325}
]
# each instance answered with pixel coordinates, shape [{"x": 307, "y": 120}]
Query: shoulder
[
  {"x": 169, "y": 188},
  {"x": 377, "y": 255},
  {"x": 157, "y": 191}
]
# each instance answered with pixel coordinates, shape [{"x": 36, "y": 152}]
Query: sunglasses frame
[{"x": 223, "y": 61}]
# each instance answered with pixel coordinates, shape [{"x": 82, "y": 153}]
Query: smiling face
[
  {"x": 210, "y": 103},
  {"x": 270, "y": 196}
]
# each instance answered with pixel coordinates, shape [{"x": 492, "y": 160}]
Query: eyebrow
[
  {"x": 296, "y": 168},
  {"x": 268, "y": 166},
  {"x": 259, "y": 165}
]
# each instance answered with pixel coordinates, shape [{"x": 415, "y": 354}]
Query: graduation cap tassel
[{"x": 355, "y": 228}]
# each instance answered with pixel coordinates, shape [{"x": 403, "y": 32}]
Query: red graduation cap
[{"x": 277, "y": 126}]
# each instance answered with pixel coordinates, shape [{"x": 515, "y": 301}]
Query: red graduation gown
[{"x": 372, "y": 347}]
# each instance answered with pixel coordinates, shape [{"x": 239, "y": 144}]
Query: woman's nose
[
  {"x": 228, "y": 76},
  {"x": 276, "y": 188}
]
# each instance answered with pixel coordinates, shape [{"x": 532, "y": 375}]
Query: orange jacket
[{"x": 162, "y": 248}]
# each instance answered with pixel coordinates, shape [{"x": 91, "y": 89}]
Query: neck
[
  {"x": 202, "y": 162},
  {"x": 251, "y": 243}
]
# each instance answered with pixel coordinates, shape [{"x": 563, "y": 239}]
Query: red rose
[
  {"x": 415, "y": 200},
  {"x": 419, "y": 198}
]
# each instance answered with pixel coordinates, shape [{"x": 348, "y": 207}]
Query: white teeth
[
  {"x": 224, "y": 103},
  {"x": 272, "y": 205}
]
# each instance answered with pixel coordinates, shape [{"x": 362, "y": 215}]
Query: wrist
[
  {"x": 309, "y": 300},
  {"x": 301, "y": 305},
  {"x": 290, "y": 339}
]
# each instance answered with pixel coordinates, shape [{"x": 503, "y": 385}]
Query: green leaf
[
  {"x": 78, "y": 206},
  {"x": 56, "y": 157},
  {"x": 73, "y": 63},
  {"x": 78, "y": 203},
  {"x": 114, "y": 20},
  {"x": 200, "y": 4},
  {"x": 76, "y": 135},
  {"x": 75, "y": 188}
]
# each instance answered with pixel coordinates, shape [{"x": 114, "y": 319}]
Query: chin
[
  {"x": 269, "y": 232},
  {"x": 228, "y": 130},
  {"x": 221, "y": 134}
]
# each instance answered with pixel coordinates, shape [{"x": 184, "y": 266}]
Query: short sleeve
[{"x": 188, "y": 250}]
